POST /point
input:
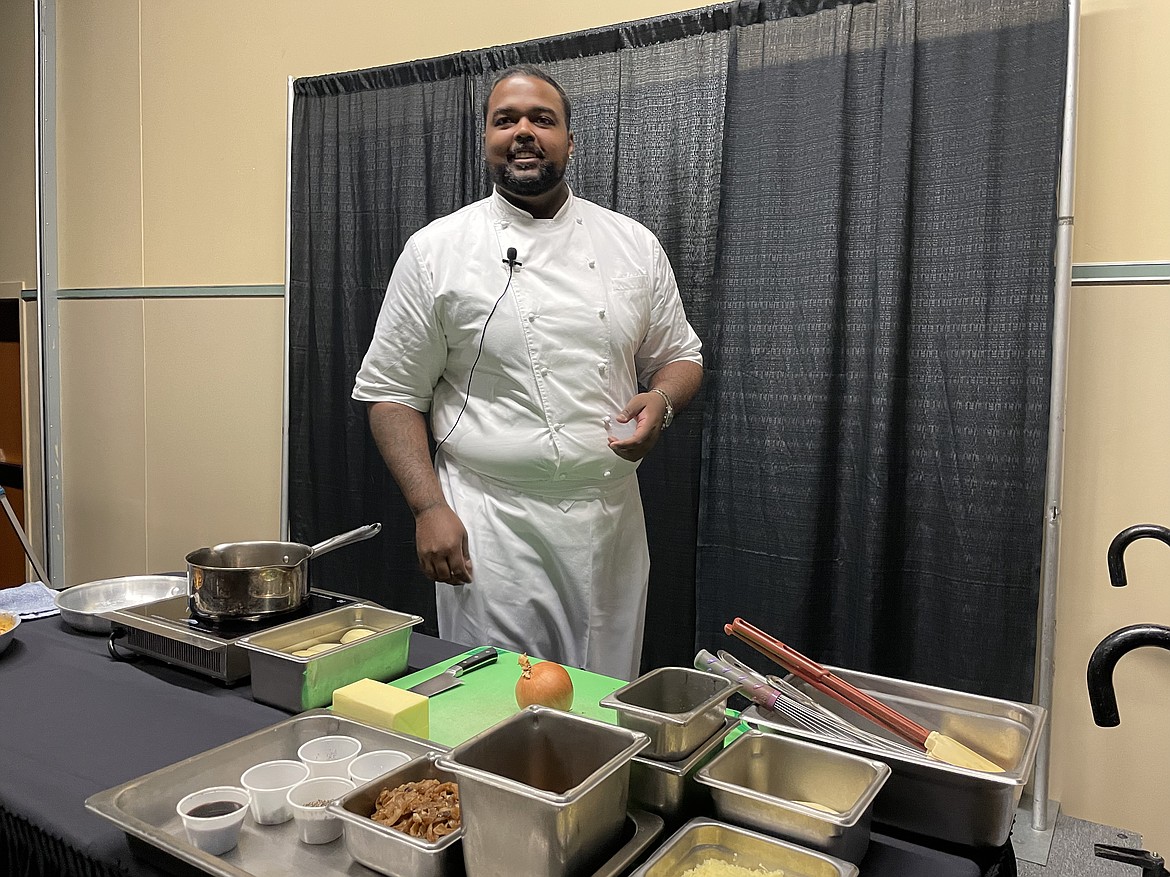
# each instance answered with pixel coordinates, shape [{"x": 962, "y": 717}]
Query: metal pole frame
[
  {"x": 284, "y": 461},
  {"x": 1054, "y": 479},
  {"x": 1054, "y": 476},
  {"x": 48, "y": 325}
]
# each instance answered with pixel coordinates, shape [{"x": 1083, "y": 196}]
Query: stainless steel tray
[
  {"x": 145, "y": 807},
  {"x": 929, "y": 797}
]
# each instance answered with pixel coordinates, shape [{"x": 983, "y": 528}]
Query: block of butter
[{"x": 384, "y": 706}]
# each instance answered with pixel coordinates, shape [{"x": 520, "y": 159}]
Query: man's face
[{"x": 526, "y": 142}]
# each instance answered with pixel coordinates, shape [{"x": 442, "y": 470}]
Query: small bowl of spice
[
  {"x": 212, "y": 817},
  {"x": 309, "y": 800},
  {"x": 8, "y": 625}
]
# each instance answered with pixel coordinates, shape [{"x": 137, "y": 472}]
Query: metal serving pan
[
  {"x": 293, "y": 683},
  {"x": 80, "y": 605},
  {"x": 390, "y": 852},
  {"x": 703, "y": 839},
  {"x": 543, "y": 792},
  {"x": 145, "y": 807},
  {"x": 929, "y": 797},
  {"x": 678, "y": 708},
  {"x": 778, "y": 785},
  {"x": 668, "y": 788}
]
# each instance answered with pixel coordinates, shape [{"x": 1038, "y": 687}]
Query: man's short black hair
[{"x": 534, "y": 72}]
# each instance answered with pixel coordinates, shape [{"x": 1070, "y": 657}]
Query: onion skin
[{"x": 547, "y": 684}]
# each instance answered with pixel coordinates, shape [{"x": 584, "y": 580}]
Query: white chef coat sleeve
[
  {"x": 409, "y": 350},
  {"x": 670, "y": 337}
]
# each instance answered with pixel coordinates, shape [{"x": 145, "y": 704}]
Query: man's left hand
[{"x": 647, "y": 409}]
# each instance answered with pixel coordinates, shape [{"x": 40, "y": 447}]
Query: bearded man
[{"x": 526, "y": 325}]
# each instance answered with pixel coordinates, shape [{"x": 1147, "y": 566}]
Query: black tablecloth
[{"x": 73, "y": 722}]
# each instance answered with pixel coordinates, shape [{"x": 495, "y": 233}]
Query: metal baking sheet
[{"x": 145, "y": 807}]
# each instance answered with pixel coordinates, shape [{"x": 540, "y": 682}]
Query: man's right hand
[{"x": 441, "y": 539}]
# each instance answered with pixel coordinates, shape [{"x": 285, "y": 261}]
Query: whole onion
[{"x": 546, "y": 683}]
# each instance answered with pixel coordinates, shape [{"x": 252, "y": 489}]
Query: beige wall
[
  {"x": 18, "y": 222},
  {"x": 173, "y": 115},
  {"x": 172, "y": 127},
  {"x": 1117, "y": 471},
  {"x": 18, "y": 225},
  {"x": 171, "y": 139}
]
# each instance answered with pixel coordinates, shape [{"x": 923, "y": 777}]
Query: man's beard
[{"x": 548, "y": 179}]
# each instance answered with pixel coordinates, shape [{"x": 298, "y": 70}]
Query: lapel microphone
[{"x": 512, "y": 266}]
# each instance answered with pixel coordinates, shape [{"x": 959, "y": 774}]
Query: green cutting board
[{"x": 488, "y": 695}]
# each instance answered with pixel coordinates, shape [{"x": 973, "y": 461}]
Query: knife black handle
[{"x": 479, "y": 659}]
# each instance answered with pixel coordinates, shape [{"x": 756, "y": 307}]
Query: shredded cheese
[{"x": 716, "y": 868}]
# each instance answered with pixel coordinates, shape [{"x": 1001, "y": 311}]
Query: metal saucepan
[{"x": 246, "y": 581}]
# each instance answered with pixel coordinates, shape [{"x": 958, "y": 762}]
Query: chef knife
[{"x": 450, "y": 677}]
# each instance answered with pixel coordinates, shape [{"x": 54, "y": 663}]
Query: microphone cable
[{"x": 512, "y": 264}]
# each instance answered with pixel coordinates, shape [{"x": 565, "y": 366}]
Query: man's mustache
[{"x": 533, "y": 151}]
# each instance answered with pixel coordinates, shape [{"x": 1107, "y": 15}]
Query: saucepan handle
[{"x": 369, "y": 531}]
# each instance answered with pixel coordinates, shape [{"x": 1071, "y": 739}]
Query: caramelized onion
[{"x": 546, "y": 683}]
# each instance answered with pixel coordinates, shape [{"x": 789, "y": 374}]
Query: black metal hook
[
  {"x": 1099, "y": 677},
  {"x": 1116, "y": 554}
]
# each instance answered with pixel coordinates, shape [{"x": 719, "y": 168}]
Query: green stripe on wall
[
  {"x": 257, "y": 291},
  {"x": 1086, "y": 274},
  {"x": 1121, "y": 273},
  {"x": 267, "y": 290}
]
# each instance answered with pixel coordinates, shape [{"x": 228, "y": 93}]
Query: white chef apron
[{"x": 558, "y": 578}]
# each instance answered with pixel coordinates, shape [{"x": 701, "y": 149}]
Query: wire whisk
[{"x": 797, "y": 708}]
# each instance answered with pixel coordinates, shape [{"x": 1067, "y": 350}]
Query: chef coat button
[
  {"x": 504, "y": 223},
  {"x": 558, "y": 426},
  {"x": 601, "y": 313},
  {"x": 578, "y": 220},
  {"x": 606, "y": 474},
  {"x": 601, "y": 367},
  {"x": 531, "y": 318},
  {"x": 543, "y": 370},
  {"x": 560, "y": 478},
  {"x": 592, "y": 264}
]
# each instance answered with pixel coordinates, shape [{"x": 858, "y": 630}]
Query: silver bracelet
[{"x": 668, "y": 414}]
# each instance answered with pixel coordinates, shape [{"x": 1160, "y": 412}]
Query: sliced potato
[
  {"x": 356, "y": 633},
  {"x": 321, "y": 647}
]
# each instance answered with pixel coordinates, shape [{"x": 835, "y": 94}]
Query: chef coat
[{"x": 521, "y": 368}]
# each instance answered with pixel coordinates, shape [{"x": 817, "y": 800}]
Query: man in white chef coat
[{"x": 523, "y": 324}]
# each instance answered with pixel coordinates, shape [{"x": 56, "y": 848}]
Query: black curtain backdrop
[{"x": 859, "y": 203}]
